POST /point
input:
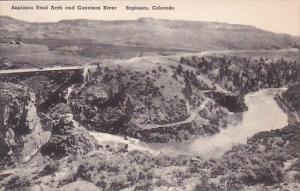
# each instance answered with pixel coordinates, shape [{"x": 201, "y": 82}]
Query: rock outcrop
[
  {"x": 101, "y": 108},
  {"x": 68, "y": 138},
  {"x": 21, "y": 134}
]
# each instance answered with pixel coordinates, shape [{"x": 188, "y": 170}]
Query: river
[{"x": 263, "y": 114}]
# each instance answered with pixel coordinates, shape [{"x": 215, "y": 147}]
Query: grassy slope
[
  {"x": 154, "y": 33},
  {"x": 79, "y": 41}
]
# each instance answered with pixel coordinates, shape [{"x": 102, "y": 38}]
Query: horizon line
[{"x": 154, "y": 18}]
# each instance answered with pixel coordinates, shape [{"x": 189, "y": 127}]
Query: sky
[{"x": 281, "y": 16}]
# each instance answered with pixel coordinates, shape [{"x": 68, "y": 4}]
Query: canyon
[{"x": 161, "y": 119}]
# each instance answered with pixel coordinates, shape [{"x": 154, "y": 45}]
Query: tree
[
  {"x": 187, "y": 90},
  {"x": 179, "y": 69}
]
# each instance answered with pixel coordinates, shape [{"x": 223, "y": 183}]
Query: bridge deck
[{"x": 28, "y": 70}]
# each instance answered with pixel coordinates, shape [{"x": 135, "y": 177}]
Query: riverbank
[
  {"x": 256, "y": 119},
  {"x": 293, "y": 115},
  {"x": 259, "y": 151}
]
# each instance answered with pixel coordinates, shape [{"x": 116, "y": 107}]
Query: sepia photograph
[{"x": 131, "y": 95}]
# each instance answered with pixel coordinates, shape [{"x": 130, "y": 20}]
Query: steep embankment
[
  {"x": 21, "y": 133},
  {"x": 155, "y": 104},
  {"x": 291, "y": 102},
  {"x": 27, "y": 133}
]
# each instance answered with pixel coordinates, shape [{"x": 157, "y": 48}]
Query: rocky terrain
[
  {"x": 269, "y": 161},
  {"x": 241, "y": 75},
  {"x": 139, "y": 104},
  {"x": 122, "y": 101},
  {"x": 49, "y": 123},
  {"x": 22, "y": 134}
]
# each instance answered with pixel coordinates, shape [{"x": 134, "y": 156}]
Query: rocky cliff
[{"x": 21, "y": 133}]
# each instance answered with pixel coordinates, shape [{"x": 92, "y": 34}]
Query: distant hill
[{"x": 186, "y": 36}]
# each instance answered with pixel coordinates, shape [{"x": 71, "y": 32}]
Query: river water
[{"x": 263, "y": 114}]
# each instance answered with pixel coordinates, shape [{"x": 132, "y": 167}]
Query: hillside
[
  {"x": 151, "y": 110},
  {"x": 76, "y": 42},
  {"x": 150, "y": 33},
  {"x": 154, "y": 100}
]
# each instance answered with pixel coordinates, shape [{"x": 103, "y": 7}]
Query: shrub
[
  {"x": 50, "y": 168},
  {"x": 17, "y": 183}
]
